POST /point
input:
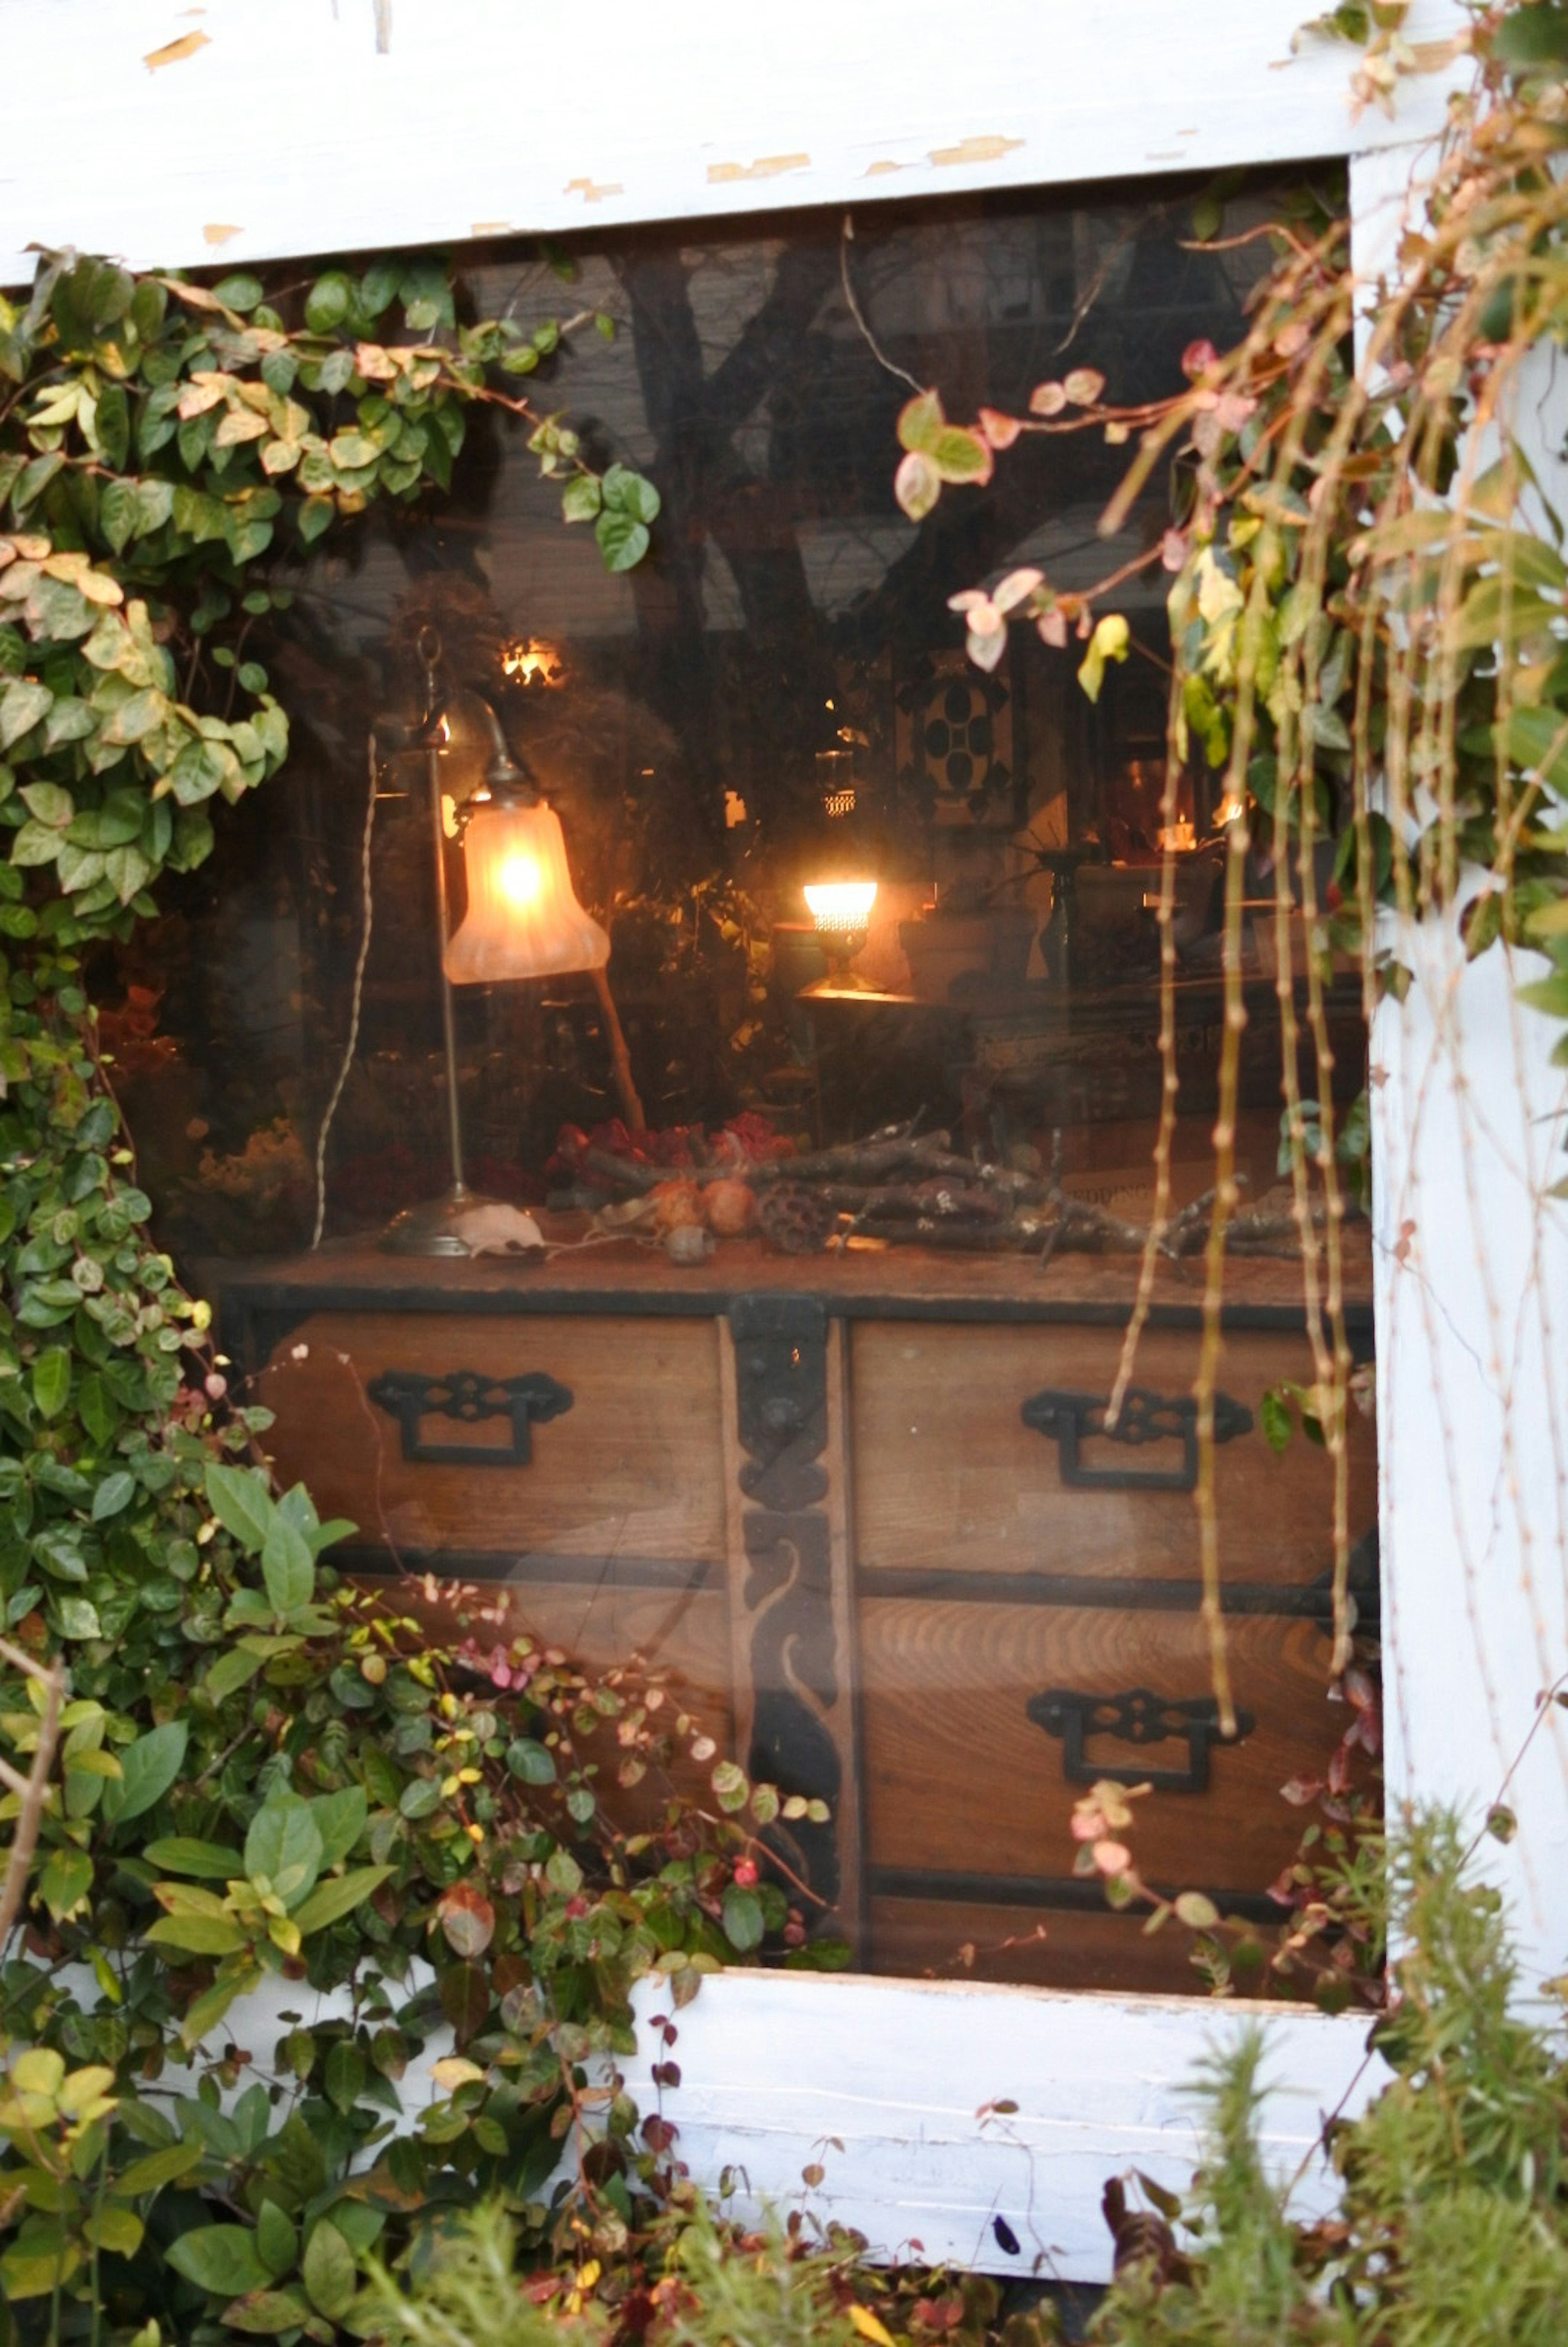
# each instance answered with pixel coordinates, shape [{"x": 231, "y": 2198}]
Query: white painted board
[
  {"x": 773, "y": 2067},
  {"x": 288, "y": 132}
]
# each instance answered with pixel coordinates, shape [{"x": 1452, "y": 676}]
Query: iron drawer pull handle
[
  {"x": 1146, "y": 1416},
  {"x": 409, "y": 1396},
  {"x": 1139, "y": 1716}
]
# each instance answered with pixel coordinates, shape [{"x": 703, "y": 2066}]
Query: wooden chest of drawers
[{"x": 857, "y": 1505}]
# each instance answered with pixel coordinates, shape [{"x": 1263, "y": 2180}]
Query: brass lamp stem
[
  {"x": 621, "y": 1059},
  {"x": 448, "y": 1022}
]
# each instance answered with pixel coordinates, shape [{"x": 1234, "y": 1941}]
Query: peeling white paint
[{"x": 705, "y": 111}]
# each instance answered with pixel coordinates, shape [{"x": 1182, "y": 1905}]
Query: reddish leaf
[
  {"x": 1001, "y": 430},
  {"x": 917, "y": 485},
  {"x": 467, "y": 1919}
]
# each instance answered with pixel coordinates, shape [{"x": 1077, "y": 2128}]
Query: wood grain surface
[
  {"x": 634, "y": 1467},
  {"x": 948, "y": 1475},
  {"x": 941, "y": 1939},
  {"x": 855, "y": 1281},
  {"x": 960, "y": 1779}
]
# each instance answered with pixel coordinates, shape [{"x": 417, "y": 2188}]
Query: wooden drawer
[
  {"x": 962, "y": 1781},
  {"x": 1037, "y": 1947},
  {"x": 949, "y": 1477},
  {"x": 631, "y": 1467},
  {"x": 681, "y": 1635}
]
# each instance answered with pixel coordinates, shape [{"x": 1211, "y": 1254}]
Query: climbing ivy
[{"x": 265, "y": 1774}]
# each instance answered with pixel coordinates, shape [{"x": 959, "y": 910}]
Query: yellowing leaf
[{"x": 867, "y": 2324}]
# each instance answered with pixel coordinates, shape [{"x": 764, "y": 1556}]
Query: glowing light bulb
[
  {"x": 523, "y": 919},
  {"x": 838, "y": 905},
  {"x": 520, "y": 879}
]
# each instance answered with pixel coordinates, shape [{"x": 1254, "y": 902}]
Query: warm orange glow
[
  {"x": 520, "y": 880},
  {"x": 534, "y": 661},
  {"x": 523, "y": 919},
  {"x": 839, "y": 906},
  {"x": 1230, "y": 809}
]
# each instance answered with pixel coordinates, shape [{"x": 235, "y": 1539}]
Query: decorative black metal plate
[
  {"x": 411, "y": 1395},
  {"x": 1138, "y": 1717},
  {"x": 1145, "y": 1416}
]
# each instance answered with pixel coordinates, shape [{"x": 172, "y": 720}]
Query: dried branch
[{"x": 33, "y": 1789}]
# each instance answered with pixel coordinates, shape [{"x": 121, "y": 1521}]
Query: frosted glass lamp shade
[
  {"x": 523, "y": 919},
  {"x": 840, "y": 907}
]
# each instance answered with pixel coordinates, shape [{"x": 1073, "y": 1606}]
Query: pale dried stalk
[
  {"x": 32, "y": 1789},
  {"x": 1165, "y": 918}
]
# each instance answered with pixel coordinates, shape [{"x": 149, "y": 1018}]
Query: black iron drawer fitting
[
  {"x": 410, "y": 1396},
  {"x": 1139, "y": 1716},
  {"x": 1072, "y": 1419}
]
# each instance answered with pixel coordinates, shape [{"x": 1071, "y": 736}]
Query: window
[{"x": 835, "y": 1264}]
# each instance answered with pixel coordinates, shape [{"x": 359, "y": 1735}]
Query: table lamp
[{"x": 523, "y": 920}]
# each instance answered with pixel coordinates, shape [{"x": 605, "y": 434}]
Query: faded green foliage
[{"x": 1452, "y": 2223}]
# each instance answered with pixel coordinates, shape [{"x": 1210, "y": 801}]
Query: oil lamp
[{"x": 842, "y": 888}]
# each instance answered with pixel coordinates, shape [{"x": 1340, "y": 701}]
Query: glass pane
[{"x": 821, "y": 1204}]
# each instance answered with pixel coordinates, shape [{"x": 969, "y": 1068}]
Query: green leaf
[
  {"x": 197, "y": 1935},
  {"x": 1274, "y": 1418},
  {"x": 344, "y": 2076},
  {"x": 742, "y": 1917},
  {"x": 328, "y": 301},
  {"x": 158, "y": 2168},
  {"x": 114, "y": 1493},
  {"x": 581, "y": 498},
  {"x": 1110, "y": 641},
  {"x": 330, "y": 2273},
  {"x": 1531, "y": 36},
  {"x": 52, "y": 1380},
  {"x": 148, "y": 1767},
  {"x": 284, "y": 1846},
  {"x": 623, "y": 541},
  {"x": 962, "y": 455},
  {"x": 222, "y": 2258},
  {"x": 286, "y": 1565},
  {"x": 240, "y": 1499},
  {"x": 629, "y": 493},
  {"x": 340, "y": 1820},
  {"x": 119, "y": 513},
  {"x": 277, "y": 2239},
  {"x": 210, "y": 1862},
  {"x": 20, "y": 709},
  {"x": 920, "y": 422},
  {"x": 240, "y": 291},
  {"x": 263, "y": 2313},
  {"x": 1198, "y": 1913},
  {"x": 338, "y": 1897},
  {"x": 65, "y": 1880},
  {"x": 315, "y": 515},
  {"x": 230, "y": 1672},
  {"x": 532, "y": 1762}
]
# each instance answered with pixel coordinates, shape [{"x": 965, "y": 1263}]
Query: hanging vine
[{"x": 1369, "y": 612}]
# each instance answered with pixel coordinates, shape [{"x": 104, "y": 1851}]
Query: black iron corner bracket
[
  {"x": 411, "y": 1396},
  {"x": 1139, "y": 1716},
  {"x": 1072, "y": 1419}
]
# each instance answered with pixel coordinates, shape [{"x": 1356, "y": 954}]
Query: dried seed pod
[
  {"x": 730, "y": 1207},
  {"x": 688, "y": 1243},
  {"x": 794, "y": 1218},
  {"x": 675, "y": 1205}
]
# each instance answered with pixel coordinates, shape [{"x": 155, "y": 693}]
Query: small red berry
[{"x": 745, "y": 1872}]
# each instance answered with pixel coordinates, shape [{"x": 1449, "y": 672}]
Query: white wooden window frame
[{"x": 304, "y": 127}]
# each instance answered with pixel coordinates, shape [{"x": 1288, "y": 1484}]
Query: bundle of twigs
[{"x": 900, "y": 1185}]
